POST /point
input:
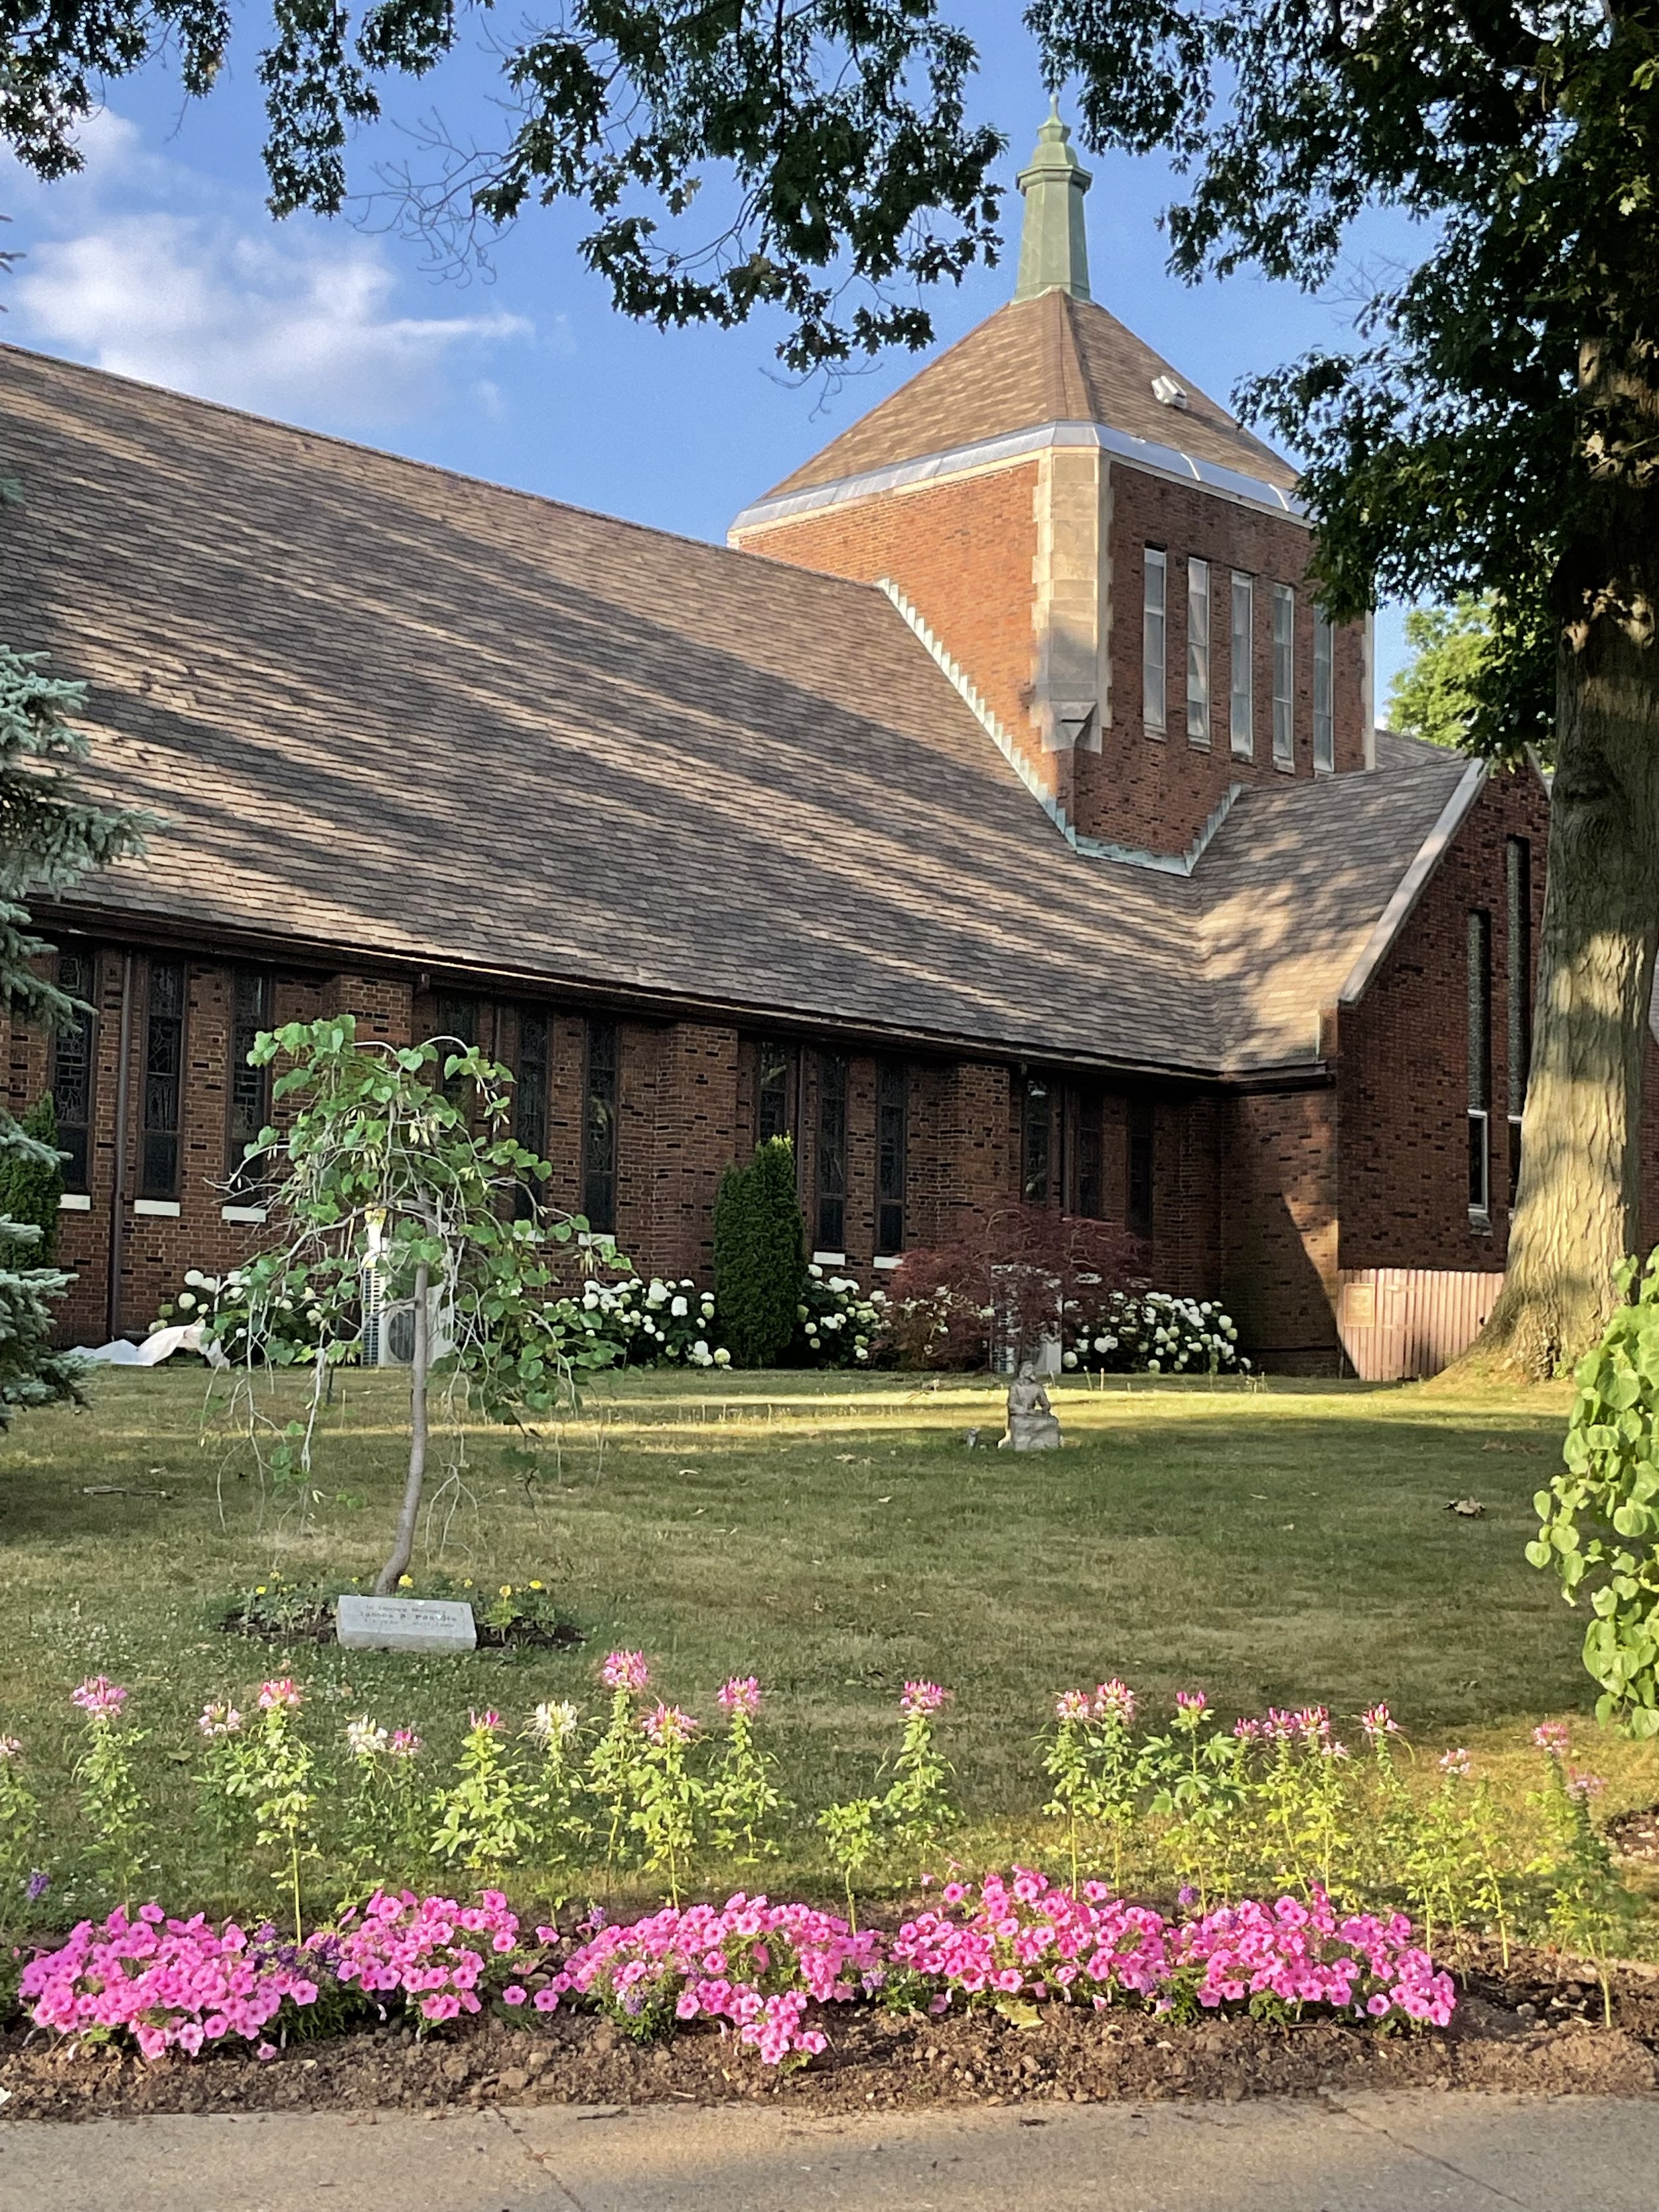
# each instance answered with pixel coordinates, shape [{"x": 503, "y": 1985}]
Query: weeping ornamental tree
[
  {"x": 1494, "y": 432},
  {"x": 51, "y": 836},
  {"x": 393, "y": 1195}
]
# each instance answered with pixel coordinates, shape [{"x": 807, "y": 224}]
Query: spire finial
[{"x": 1053, "y": 248}]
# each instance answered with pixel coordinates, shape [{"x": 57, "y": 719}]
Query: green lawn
[{"x": 832, "y": 1535}]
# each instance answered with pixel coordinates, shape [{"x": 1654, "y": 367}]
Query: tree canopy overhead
[{"x": 832, "y": 133}]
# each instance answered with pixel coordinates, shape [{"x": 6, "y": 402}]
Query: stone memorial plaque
[{"x": 403, "y": 1624}]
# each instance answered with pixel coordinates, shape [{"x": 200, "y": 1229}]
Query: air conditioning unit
[{"x": 388, "y": 1334}]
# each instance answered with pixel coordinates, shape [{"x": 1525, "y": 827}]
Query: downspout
[{"x": 117, "y": 1194}]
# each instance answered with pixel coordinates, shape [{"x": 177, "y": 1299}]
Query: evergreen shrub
[
  {"x": 760, "y": 1256},
  {"x": 30, "y": 1188}
]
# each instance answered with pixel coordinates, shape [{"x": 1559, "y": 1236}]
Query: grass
[{"x": 833, "y": 1534}]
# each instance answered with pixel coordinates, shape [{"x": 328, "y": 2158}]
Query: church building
[{"x": 997, "y": 813}]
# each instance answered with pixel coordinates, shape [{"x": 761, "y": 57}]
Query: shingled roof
[
  {"x": 387, "y": 712},
  {"x": 1053, "y": 359}
]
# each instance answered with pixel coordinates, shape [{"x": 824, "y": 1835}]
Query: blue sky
[{"x": 160, "y": 262}]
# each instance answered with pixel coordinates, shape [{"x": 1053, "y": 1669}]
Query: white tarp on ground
[{"x": 160, "y": 1345}]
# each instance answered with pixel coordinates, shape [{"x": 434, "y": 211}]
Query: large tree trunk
[
  {"x": 1577, "y": 1211},
  {"x": 404, "y": 1550}
]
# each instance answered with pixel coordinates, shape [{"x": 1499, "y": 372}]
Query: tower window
[
  {"x": 1242, "y": 709},
  {"x": 599, "y": 1128},
  {"x": 1152, "y": 640},
  {"x": 1324, "y": 696},
  {"x": 73, "y": 1062},
  {"x": 1284, "y": 677},
  {"x": 164, "y": 1070},
  {"x": 1198, "y": 652},
  {"x": 892, "y": 1148}
]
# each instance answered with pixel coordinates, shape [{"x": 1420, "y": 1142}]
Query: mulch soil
[{"x": 1537, "y": 2027}]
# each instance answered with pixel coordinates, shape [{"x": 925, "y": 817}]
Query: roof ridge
[{"x": 336, "y": 439}]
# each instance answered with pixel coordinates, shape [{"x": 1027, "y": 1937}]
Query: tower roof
[{"x": 1056, "y": 357}]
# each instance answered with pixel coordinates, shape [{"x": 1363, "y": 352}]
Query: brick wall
[
  {"x": 963, "y": 553},
  {"x": 1143, "y": 789},
  {"x": 1278, "y": 1226},
  {"x": 1403, "y": 1057},
  {"x": 970, "y": 557},
  {"x": 157, "y": 1247}
]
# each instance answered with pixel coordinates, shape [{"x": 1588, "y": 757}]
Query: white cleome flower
[
  {"x": 366, "y": 1738},
  {"x": 553, "y": 1726}
]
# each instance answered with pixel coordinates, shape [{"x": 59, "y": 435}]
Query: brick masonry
[
  {"x": 985, "y": 562},
  {"x": 962, "y": 553}
]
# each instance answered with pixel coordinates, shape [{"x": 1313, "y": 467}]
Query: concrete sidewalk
[{"x": 1419, "y": 2152}]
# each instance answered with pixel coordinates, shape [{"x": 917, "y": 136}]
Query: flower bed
[
  {"x": 751, "y": 1966},
  {"x": 1025, "y": 1939},
  {"x": 168, "y": 1983}
]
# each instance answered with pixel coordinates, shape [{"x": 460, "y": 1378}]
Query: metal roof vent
[{"x": 1168, "y": 392}]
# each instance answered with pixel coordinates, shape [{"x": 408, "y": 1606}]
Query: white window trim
[
  {"x": 249, "y": 1213},
  {"x": 1198, "y": 654},
  {"x": 157, "y": 1209},
  {"x": 828, "y": 1258},
  {"x": 74, "y": 1201},
  {"x": 1242, "y": 741},
  {"x": 1154, "y": 562},
  {"x": 886, "y": 1262},
  {"x": 1324, "y": 756},
  {"x": 1284, "y": 755},
  {"x": 1480, "y": 1216}
]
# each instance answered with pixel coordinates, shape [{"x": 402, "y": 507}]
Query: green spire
[{"x": 1054, "y": 246}]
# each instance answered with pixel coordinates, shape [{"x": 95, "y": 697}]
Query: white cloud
[{"x": 298, "y": 320}]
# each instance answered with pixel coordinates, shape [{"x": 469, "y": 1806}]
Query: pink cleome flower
[
  {"x": 625, "y": 1671},
  {"x": 282, "y": 1696},
  {"x": 11, "y": 1747},
  {"x": 920, "y": 1698},
  {"x": 740, "y": 1695},
  {"x": 1584, "y": 1786},
  {"x": 404, "y": 1743},
  {"x": 219, "y": 1719},
  {"x": 1191, "y": 1702},
  {"x": 489, "y": 1723},
  {"x": 1378, "y": 1721},
  {"x": 668, "y": 1725},
  {"x": 1071, "y": 1705},
  {"x": 1551, "y": 1736},
  {"x": 1115, "y": 1701},
  {"x": 99, "y": 1698},
  {"x": 1458, "y": 1764}
]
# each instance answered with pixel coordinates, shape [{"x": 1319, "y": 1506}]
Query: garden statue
[{"x": 1032, "y": 1425}]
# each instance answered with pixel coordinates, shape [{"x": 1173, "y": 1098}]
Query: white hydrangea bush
[
  {"x": 646, "y": 1323},
  {"x": 1152, "y": 1333},
  {"x": 837, "y": 1324}
]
